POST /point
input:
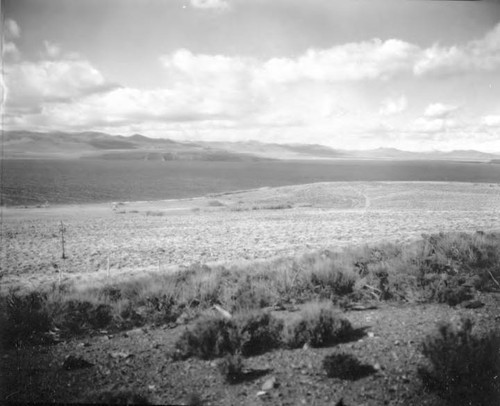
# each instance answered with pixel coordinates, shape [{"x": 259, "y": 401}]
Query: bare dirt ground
[
  {"x": 132, "y": 237},
  {"x": 139, "y": 361}
]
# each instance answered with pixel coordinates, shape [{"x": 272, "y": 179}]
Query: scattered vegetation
[
  {"x": 463, "y": 368},
  {"x": 317, "y": 326},
  {"x": 215, "y": 203},
  {"x": 23, "y": 319},
  {"x": 345, "y": 366},
  {"x": 215, "y": 336},
  {"x": 155, "y": 213},
  {"x": 443, "y": 268},
  {"x": 210, "y": 337}
]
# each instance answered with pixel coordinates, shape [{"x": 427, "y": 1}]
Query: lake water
[{"x": 28, "y": 182}]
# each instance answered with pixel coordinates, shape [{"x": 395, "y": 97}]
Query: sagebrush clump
[
  {"x": 23, "y": 319},
  {"x": 215, "y": 336},
  {"x": 318, "y": 325},
  {"x": 463, "y": 368}
]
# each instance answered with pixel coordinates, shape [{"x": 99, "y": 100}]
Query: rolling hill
[{"x": 97, "y": 145}]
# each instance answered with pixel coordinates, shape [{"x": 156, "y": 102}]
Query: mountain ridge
[{"x": 99, "y": 145}]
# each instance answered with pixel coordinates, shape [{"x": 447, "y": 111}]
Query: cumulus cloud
[
  {"x": 439, "y": 110},
  {"x": 210, "y": 4},
  {"x": 491, "y": 121},
  {"x": 30, "y": 84},
  {"x": 11, "y": 29},
  {"x": 478, "y": 55},
  {"x": 374, "y": 59},
  {"x": 214, "y": 95},
  {"x": 393, "y": 106}
]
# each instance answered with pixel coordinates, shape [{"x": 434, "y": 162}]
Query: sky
[{"x": 417, "y": 75}]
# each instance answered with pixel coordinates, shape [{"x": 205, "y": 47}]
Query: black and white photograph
[{"x": 250, "y": 202}]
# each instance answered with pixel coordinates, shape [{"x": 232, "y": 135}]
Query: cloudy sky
[{"x": 415, "y": 74}]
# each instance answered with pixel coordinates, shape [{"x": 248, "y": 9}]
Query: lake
[{"x": 28, "y": 182}]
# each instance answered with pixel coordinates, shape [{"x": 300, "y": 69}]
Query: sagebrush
[{"x": 463, "y": 368}]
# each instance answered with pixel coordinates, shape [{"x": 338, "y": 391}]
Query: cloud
[
  {"x": 439, "y": 110},
  {"x": 374, "y": 59},
  {"x": 31, "y": 84},
  {"x": 51, "y": 50},
  {"x": 426, "y": 125},
  {"x": 491, "y": 121},
  {"x": 475, "y": 56},
  {"x": 210, "y": 4},
  {"x": 393, "y": 106},
  {"x": 11, "y": 52},
  {"x": 332, "y": 95},
  {"x": 11, "y": 29}
]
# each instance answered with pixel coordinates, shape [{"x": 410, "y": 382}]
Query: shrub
[
  {"x": 463, "y": 368},
  {"x": 345, "y": 366},
  {"x": 454, "y": 292},
  {"x": 249, "y": 294},
  {"x": 77, "y": 317},
  {"x": 215, "y": 203},
  {"x": 25, "y": 319},
  {"x": 155, "y": 213},
  {"x": 210, "y": 337},
  {"x": 231, "y": 368},
  {"x": 214, "y": 336},
  {"x": 317, "y": 326},
  {"x": 257, "y": 332}
]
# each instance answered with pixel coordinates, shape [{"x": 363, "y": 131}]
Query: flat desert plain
[{"x": 125, "y": 238}]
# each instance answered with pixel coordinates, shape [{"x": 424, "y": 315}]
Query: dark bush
[
  {"x": 247, "y": 334},
  {"x": 318, "y": 326},
  {"x": 210, "y": 337},
  {"x": 25, "y": 319},
  {"x": 257, "y": 332},
  {"x": 463, "y": 368},
  {"x": 455, "y": 292},
  {"x": 77, "y": 317}
]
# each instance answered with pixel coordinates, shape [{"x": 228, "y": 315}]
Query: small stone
[
  {"x": 260, "y": 393},
  {"x": 306, "y": 346},
  {"x": 377, "y": 366},
  {"x": 269, "y": 384},
  {"x": 371, "y": 334},
  {"x": 473, "y": 304},
  {"x": 120, "y": 355}
]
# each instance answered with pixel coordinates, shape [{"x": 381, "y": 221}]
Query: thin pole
[{"x": 61, "y": 229}]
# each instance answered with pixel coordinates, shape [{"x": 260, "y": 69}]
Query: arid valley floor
[
  {"x": 236, "y": 226},
  {"x": 106, "y": 244}
]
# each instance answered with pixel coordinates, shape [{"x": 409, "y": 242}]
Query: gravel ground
[{"x": 138, "y": 361}]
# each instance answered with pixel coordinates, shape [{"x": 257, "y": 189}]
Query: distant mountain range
[{"x": 95, "y": 145}]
